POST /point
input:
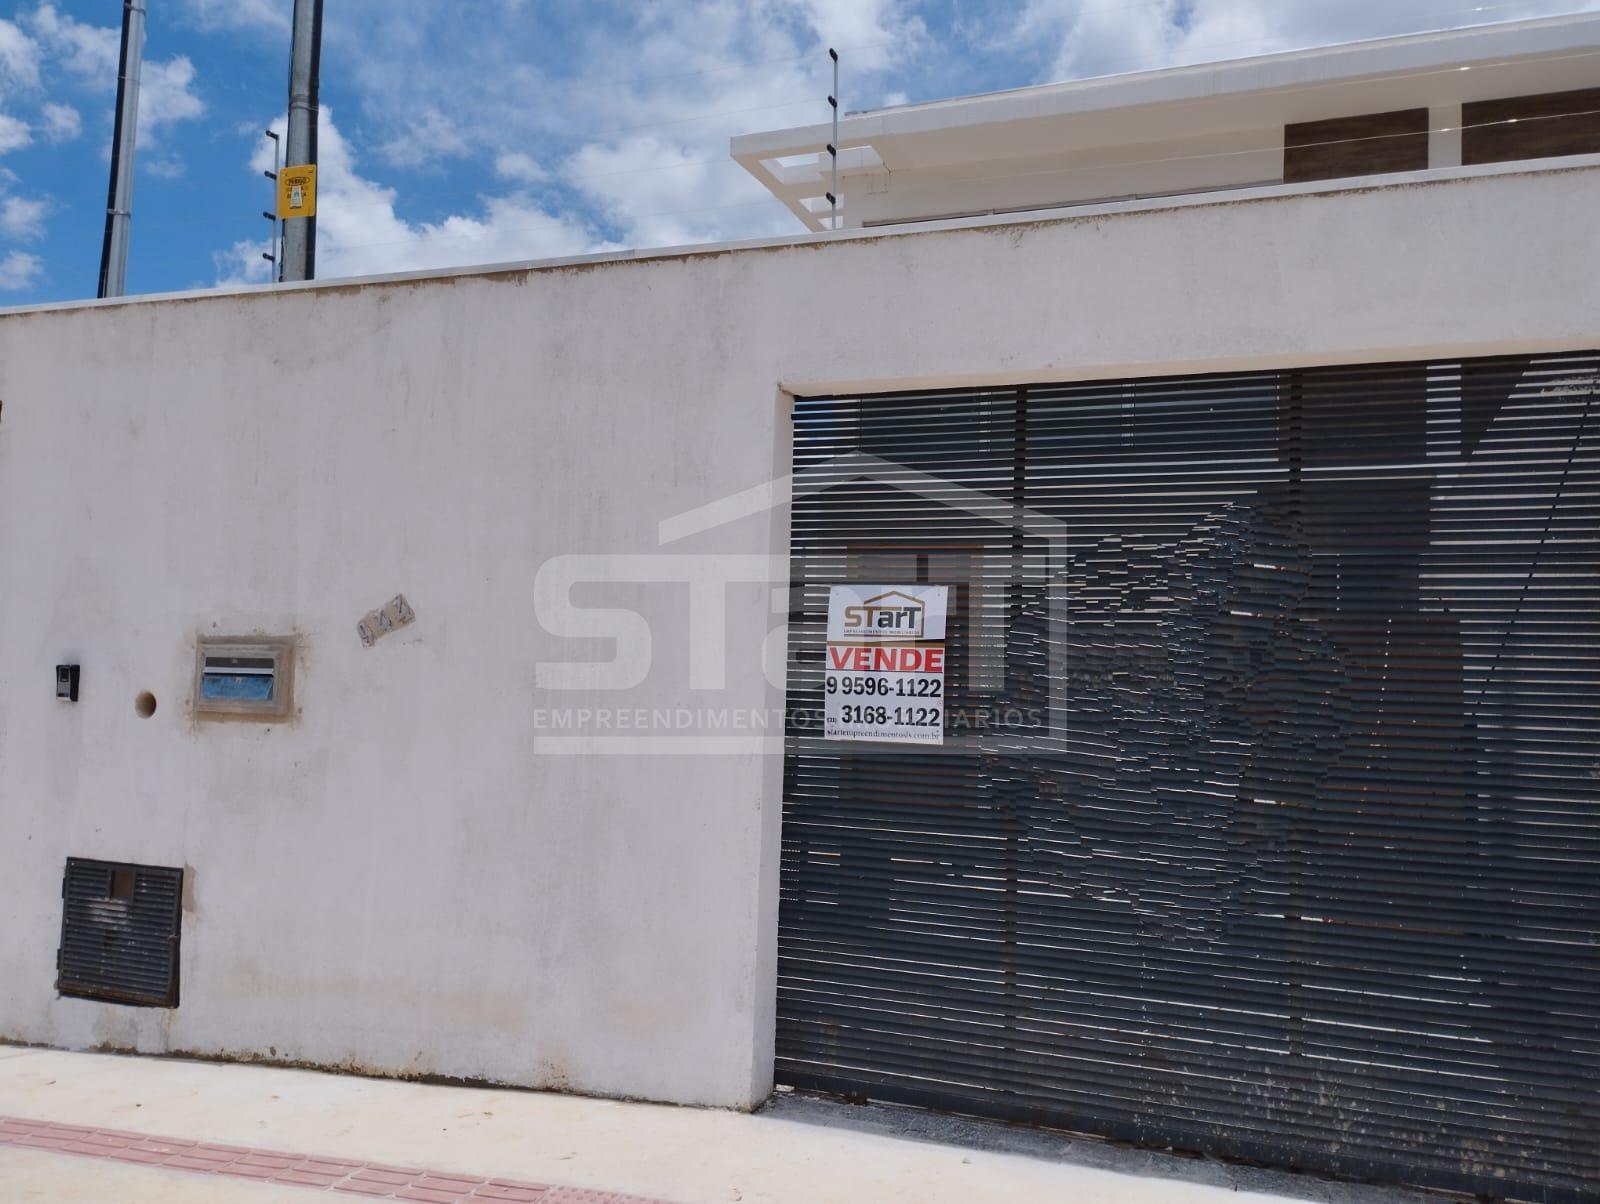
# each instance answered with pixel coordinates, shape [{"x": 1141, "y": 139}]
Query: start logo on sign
[
  {"x": 891, "y": 615},
  {"x": 884, "y": 674}
]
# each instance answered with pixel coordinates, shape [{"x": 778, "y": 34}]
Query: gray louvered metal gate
[{"x": 1268, "y": 820}]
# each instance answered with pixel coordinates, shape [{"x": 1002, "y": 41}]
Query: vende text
[{"x": 886, "y": 660}]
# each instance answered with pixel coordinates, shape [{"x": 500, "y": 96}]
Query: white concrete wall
[{"x": 396, "y": 880}]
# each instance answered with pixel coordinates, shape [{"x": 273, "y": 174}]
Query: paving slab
[{"x": 799, "y": 1152}]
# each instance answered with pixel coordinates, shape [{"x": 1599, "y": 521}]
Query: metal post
[
  {"x": 305, "y": 59},
  {"x": 275, "y": 255},
  {"x": 119, "y": 196},
  {"x": 833, "y": 147}
]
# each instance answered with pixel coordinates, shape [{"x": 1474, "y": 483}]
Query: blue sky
[{"x": 479, "y": 131}]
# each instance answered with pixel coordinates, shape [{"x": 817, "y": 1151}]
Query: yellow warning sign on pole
[{"x": 297, "y": 191}]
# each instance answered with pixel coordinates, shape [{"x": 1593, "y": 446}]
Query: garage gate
[{"x": 1267, "y": 822}]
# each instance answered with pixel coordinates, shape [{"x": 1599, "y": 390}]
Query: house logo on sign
[{"x": 888, "y": 616}]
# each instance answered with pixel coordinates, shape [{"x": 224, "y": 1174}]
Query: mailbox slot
[{"x": 244, "y": 678}]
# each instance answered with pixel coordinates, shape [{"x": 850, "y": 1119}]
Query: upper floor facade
[{"x": 1526, "y": 90}]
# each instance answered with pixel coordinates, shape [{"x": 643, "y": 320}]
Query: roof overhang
[{"x": 1420, "y": 70}]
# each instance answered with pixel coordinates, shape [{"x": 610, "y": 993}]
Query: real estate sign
[{"x": 884, "y": 674}]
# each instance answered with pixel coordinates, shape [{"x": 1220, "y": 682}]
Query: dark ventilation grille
[
  {"x": 119, "y": 932},
  {"x": 1268, "y": 819}
]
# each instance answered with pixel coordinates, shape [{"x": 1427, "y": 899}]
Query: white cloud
[
  {"x": 241, "y": 14},
  {"x": 14, "y": 134},
  {"x": 521, "y": 167},
  {"x": 664, "y": 176},
  {"x": 90, "y": 52},
  {"x": 242, "y": 263},
  {"x": 870, "y": 31},
  {"x": 1098, "y": 39},
  {"x": 635, "y": 113},
  {"x": 62, "y": 122},
  {"x": 22, "y": 218},
  {"x": 86, "y": 50},
  {"x": 19, "y": 59},
  {"x": 163, "y": 166},
  {"x": 18, "y": 270},
  {"x": 166, "y": 94},
  {"x": 429, "y": 138},
  {"x": 360, "y": 233},
  {"x": 661, "y": 192},
  {"x": 19, "y": 75}
]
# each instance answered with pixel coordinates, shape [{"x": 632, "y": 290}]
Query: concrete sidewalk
[{"x": 800, "y": 1151}]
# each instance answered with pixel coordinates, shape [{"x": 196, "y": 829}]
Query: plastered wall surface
[{"x": 398, "y": 879}]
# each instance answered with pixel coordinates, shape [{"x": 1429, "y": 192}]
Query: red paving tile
[
  {"x": 187, "y": 1162},
  {"x": 373, "y": 1174},
  {"x": 310, "y": 1171},
  {"x": 39, "y": 1141},
  {"x": 83, "y": 1147},
  {"x": 110, "y": 1139},
  {"x": 208, "y": 1155},
  {"x": 164, "y": 1147},
  {"x": 422, "y": 1196},
  {"x": 307, "y": 1178},
  {"x": 246, "y": 1172},
  {"x": 131, "y": 1154},
  {"x": 455, "y": 1183},
  {"x": 276, "y": 1161},
  {"x": 331, "y": 1164}
]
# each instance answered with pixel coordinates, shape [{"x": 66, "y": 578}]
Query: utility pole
[
  {"x": 119, "y": 196},
  {"x": 305, "y": 64}
]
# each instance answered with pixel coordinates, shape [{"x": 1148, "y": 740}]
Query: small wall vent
[
  {"x": 244, "y": 678},
  {"x": 120, "y": 925}
]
